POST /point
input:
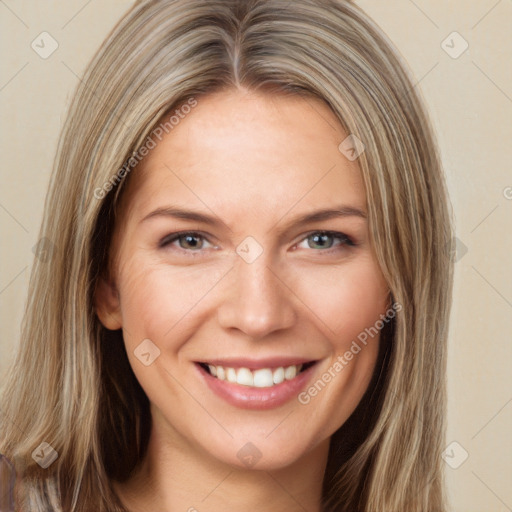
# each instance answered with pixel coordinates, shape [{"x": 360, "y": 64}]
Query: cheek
[
  {"x": 348, "y": 301},
  {"x": 345, "y": 299},
  {"x": 156, "y": 298}
]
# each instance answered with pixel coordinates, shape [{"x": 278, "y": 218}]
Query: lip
[{"x": 245, "y": 397}]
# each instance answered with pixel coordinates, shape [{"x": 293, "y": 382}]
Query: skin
[{"x": 255, "y": 162}]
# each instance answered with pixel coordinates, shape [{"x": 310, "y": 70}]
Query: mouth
[
  {"x": 257, "y": 385},
  {"x": 261, "y": 377}
]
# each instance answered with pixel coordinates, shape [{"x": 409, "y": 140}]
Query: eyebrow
[{"x": 211, "y": 220}]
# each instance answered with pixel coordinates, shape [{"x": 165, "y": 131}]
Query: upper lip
[{"x": 255, "y": 364}]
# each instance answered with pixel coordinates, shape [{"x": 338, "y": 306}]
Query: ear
[{"x": 107, "y": 304}]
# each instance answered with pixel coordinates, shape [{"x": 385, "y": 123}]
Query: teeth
[
  {"x": 262, "y": 378},
  {"x": 278, "y": 375},
  {"x": 290, "y": 372},
  {"x": 231, "y": 374},
  {"x": 221, "y": 373},
  {"x": 244, "y": 377}
]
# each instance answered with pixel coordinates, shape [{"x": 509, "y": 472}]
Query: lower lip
[{"x": 245, "y": 397}]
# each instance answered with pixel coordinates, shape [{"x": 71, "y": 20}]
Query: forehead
[{"x": 254, "y": 152}]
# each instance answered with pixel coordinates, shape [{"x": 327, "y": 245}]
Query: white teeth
[
  {"x": 231, "y": 374},
  {"x": 278, "y": 375},
  {"x": 261, "y": 378},
  {"x": 290, "y": 372},
  {"x": 244, "y": 377}
]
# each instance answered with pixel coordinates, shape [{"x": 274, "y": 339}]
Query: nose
[{"x": 256, "y": 300}]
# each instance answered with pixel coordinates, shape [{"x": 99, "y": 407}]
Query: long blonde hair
[{"x": 71, "y": 385}]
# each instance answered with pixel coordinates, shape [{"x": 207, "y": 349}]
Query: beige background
[{"x": 470, "y": 99}]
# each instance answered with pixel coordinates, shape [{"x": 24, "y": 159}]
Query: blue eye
[
  {"x": 325, "y": 240},
  {"x": 193, "y": 242}
]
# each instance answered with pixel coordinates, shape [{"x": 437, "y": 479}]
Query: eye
[
  {"x": 326, "y": 241},
  {"x": 190, "y": 241}
]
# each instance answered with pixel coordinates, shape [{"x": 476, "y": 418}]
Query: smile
[
  {"x": 260, "y": 385},
  {"x": 260, "y": 378}
]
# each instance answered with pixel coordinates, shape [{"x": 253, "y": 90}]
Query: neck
[{"x": 176, "y": 475}]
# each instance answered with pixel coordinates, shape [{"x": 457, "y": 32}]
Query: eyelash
[{"x": 345, "y": 239}]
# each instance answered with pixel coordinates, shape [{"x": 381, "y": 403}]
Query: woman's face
[{"x": 272, "y": 269}]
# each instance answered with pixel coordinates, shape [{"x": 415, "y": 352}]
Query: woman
[{"x": 247, "y": 273}]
